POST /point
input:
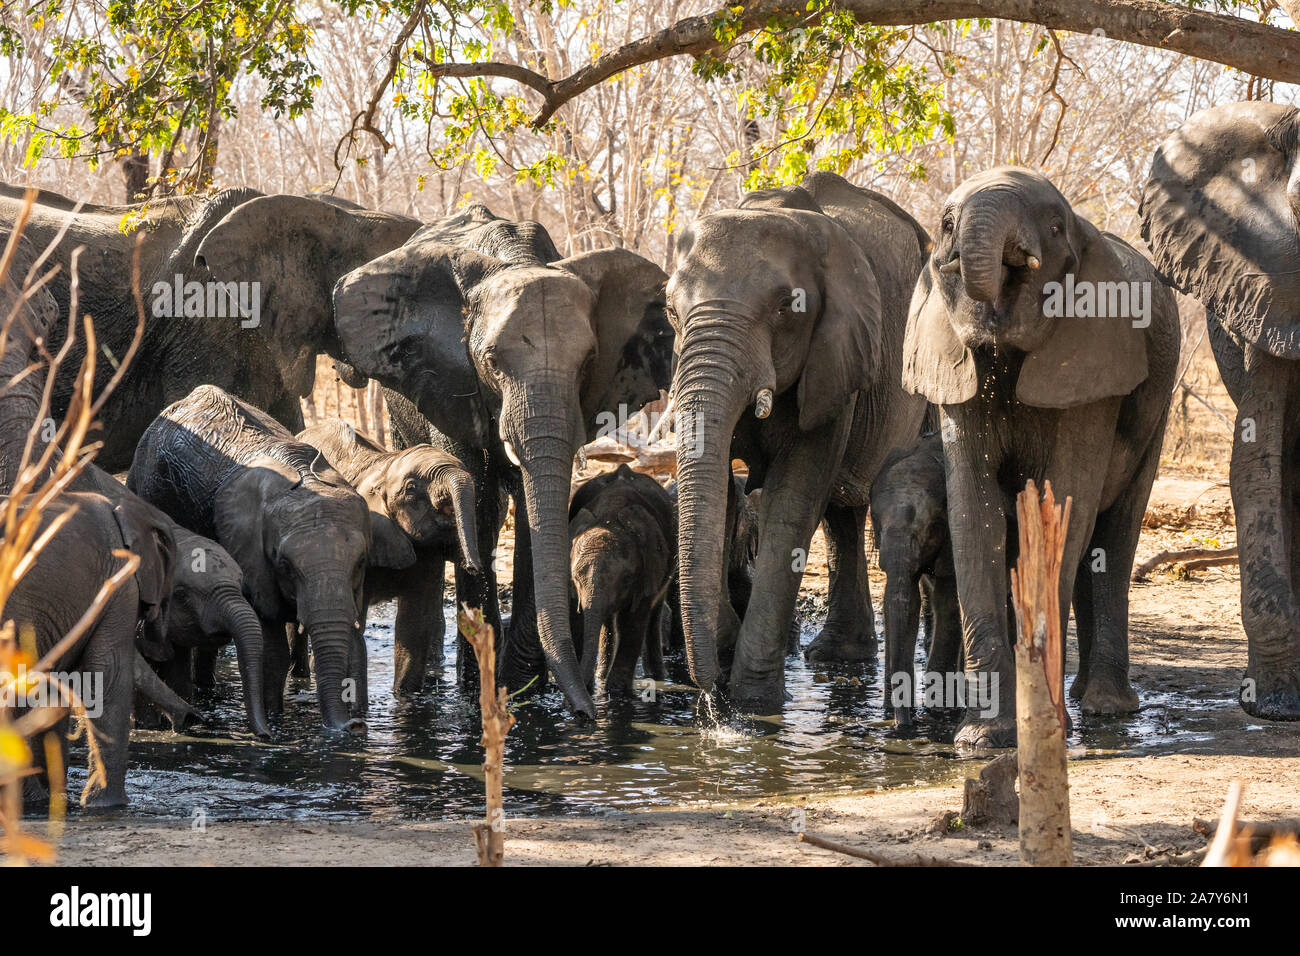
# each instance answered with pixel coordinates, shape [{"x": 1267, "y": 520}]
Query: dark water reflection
[{"x": 420, "y": 759}]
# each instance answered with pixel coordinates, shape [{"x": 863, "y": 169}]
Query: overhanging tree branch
[{"x": 1251, "y": 47}]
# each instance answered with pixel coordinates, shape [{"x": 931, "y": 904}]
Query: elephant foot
[
  {"x": 1079, "y": 686},
  {"x": 758, "y": 697},
  {"x": 978, "y": 735},
  {"x": 1101, "y": 697},
  {"x": 110, "y": 798},
  {"x": 841, "y": 645},
  {"x": 1276, "y": 701}
]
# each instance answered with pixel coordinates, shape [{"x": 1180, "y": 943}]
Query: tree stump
[
  {"x": 991, "y": 797},
  {"x": 489, "y": 836},
  {"x": 1040, "y": 680}
]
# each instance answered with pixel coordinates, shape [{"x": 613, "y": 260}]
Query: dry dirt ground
[{"x": 1186, "y": 641}]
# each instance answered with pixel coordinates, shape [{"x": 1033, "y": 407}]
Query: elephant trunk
[
  {"x": 244, "y": 627},
  {"x": 328, "y": 615},
  {"x": 462, "y": 500},
  {"x": 715, "y": 383},
  {"x": 20, "y": 399},
  {"x": 595, "y": 609},
  {"x": 543, "y": 440},
  {"x": 902, "y": 617},
  {"x": 989, "y": 224}
]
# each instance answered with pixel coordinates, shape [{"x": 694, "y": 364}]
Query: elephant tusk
[
  {"x": 763, "y": 403},
  {"x": 1032, "y": 262},
  {"x": 951, "y": 266},
  {"x": 510, "y": 453}
]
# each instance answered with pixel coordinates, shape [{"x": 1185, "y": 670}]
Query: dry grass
[{"x": 40, "y": 478}]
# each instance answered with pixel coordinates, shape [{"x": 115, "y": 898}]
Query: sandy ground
[{"x": 1186, "y": 639}]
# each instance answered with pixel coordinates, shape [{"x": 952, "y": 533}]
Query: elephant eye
[
  {"x": 947, "y": 224},
  {"x": 490, "y": 362},
  {"x": 410, "y": 488},
  {"x": 1056, "y": 229}
]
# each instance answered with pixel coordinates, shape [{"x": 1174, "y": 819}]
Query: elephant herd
[{"x": 861, "y": 368}]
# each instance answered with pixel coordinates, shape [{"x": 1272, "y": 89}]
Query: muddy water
[{"x": 420, "y": 759}]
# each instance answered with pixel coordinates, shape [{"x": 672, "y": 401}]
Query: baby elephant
[
  {"x": 909, "y": 516},
  {"x": 430, "y": 496},
  {"x": 624, "y": 537}
]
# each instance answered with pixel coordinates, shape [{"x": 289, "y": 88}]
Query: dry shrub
[{"x": 39, "y": 478}]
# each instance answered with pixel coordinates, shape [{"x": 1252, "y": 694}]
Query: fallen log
[
  {"x": 875, "y": 856},
  {"x": 1193, "y": 559}
]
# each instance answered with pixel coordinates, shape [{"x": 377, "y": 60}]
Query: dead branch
[
  {"x": 875, "y": 856},
  {"x": 489, "y": 836},
  {"x": 1191, "y": 558},
  {"x": 1226, "y": 848}
]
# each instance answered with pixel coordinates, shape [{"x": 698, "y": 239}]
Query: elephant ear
[
  {"x": 935, "y": 362},
  {"x": 1219, "y": 213},
  {"x": 389, "y": 545},
  {"x": 295, "y": 248},
  {"x": 239, "y": 517},
  {"x": 634, "y": 352},
  {"x": 147, "y": 533},
  {"x": 1087, "y": 359},
  {"x": 844, "y": 354},
  {"x": 401, "y": 321}
]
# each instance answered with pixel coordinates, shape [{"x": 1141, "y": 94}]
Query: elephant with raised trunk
[
  {"x": 792, "y": 305},
  {"x": 301, "y": 535},
  {"x": 429, "y": 495},
  {"x": 1051, "y": 349},
  {"x": 909, "y": 521},
  {"x": 511, "y": 353},
  {"x": 1221, "y": 213}
]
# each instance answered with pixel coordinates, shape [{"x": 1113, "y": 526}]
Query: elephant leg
[
  {"x": 299, "y": 652},
  {"x": 652, "y": 656},
  {"x": 1265, "y": 538},
  {"x": 979, "y": 546},
  {"x": 418, "y": 635},
  {"x": 850, "y": 630},
  {"x": 794, "y": 496},
  {"x": 479, "y": 591},
  {"x": 205, "y": 668},
  {"x": 110, "y": 657},
  {"x": 632, "y": 625},
  {"x": 275, "y": 666},
  {"x": 358, "y": 673},
  {"x": 944, "y": 653},
  {"x": 525, "y": 663},
  {"x": 1107, "y": 567}
]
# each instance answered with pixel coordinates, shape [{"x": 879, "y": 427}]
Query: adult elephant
[
  {"x": 1050, "y": 348},
  {"x": 300, "y": 534},
  {"x": 1219, "y": 211},
  {"x": 793, "y": 304},
  {"x": 192, "y": 340},
  {"x": 512, "y": 353}
]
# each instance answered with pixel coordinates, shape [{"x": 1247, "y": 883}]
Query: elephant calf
[
  {"x": 299, "y": 532},
  {"x": 429, "y": 495},
  {"x": 909, "y": 519},
  {"x": 623, "y": 530},
  {"x": 206, "y": 610},
  {"x": 1051, "y": 349}
]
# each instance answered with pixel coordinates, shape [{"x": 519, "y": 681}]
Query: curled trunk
[{"x": 988, "y": 223}]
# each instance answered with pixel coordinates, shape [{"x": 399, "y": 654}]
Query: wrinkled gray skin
[
  {"x": 1233, "y": 241},
  {"x": 298, "y": 531},
  {"x": 269, "y": 366},
  {"x": 72, "y": 566},
  {"x": 206, "y": 610},
  {"x": 909, "y": 521},
  {"x": 849, "y": 258},
  {"x": 430, "y": 497},
  {"x": 1079, "y": 402},
  {"x": 624, "y": 535},
  {"x": 510, "y": 353}
]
